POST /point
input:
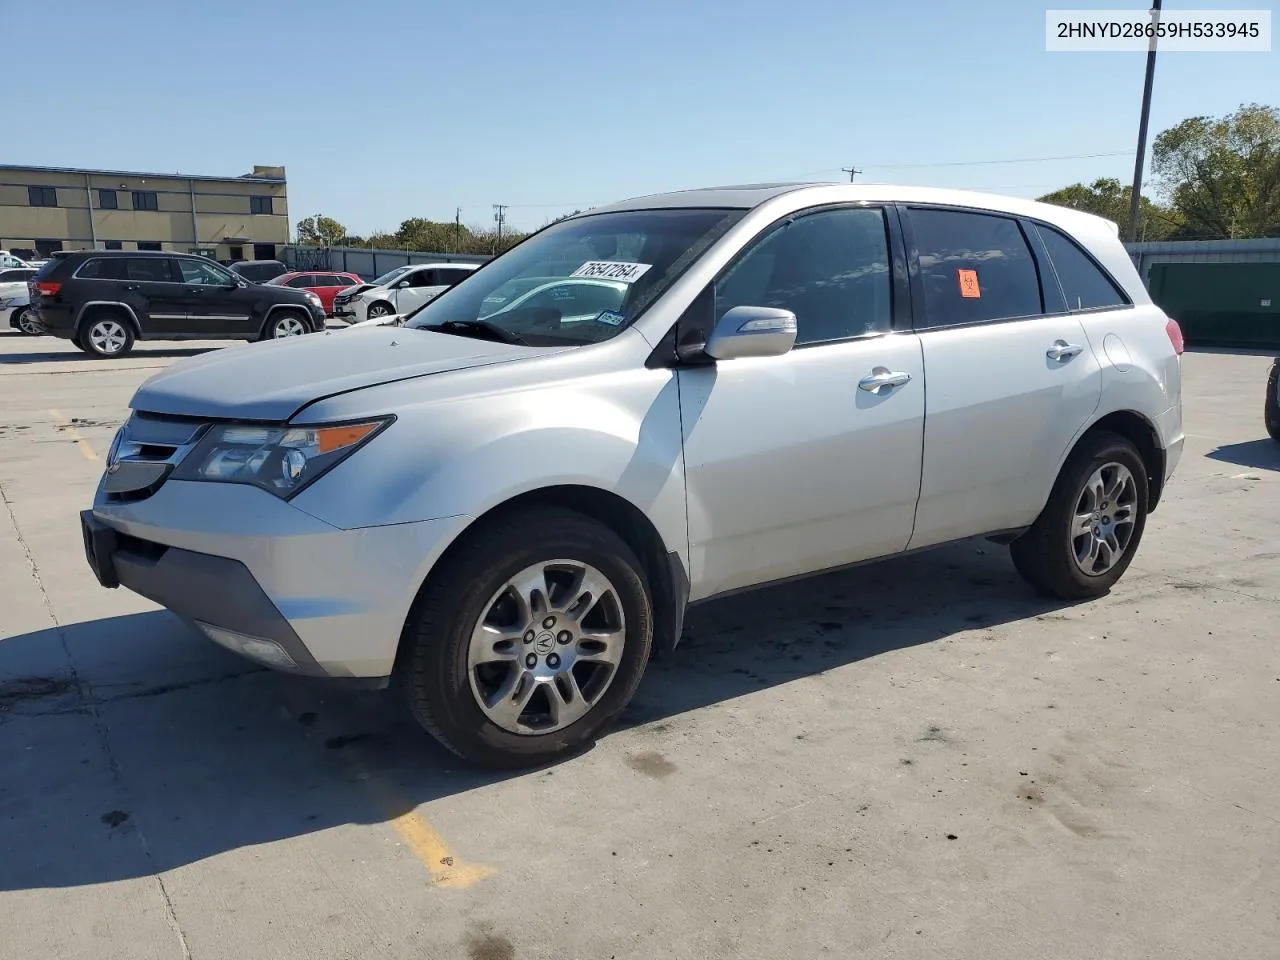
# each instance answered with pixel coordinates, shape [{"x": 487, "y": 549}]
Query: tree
[
  {"x": 1223, "y": 173},
  {"x": 1105, "y": 197},
  {"x": 321, "y": 231}
]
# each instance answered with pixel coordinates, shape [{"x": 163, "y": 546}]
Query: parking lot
[{"x": 912, "y": 759}]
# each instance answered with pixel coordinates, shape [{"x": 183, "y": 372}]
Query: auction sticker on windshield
[{"x": 612, "y": 270}]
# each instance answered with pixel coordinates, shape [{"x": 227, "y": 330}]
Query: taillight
[
  {"x": 47, "y": 289},
  {"x": 1175, "y": 336}
]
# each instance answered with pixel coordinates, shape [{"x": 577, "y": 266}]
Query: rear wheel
[
  {"x": 106, "y": 335},
  {"x": 1272, "y": 414},
  {"x": 23, "y": 320},
  {"x": 1088, "y": 532},
  {"x": 530, "y": 640}
]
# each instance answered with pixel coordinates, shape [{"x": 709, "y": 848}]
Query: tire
[
  {"x": 379, "y": 309},
  {"x": 79, "y": 344},
  {"x": 105, "y": 335},
  {"x": 445, "y": 691},
  {"x": 1271, "y": 414},
  {"x": 1046, "y": 555},
  {"x": 286, "y": 323},
  {"x": 22, "y": 322}
]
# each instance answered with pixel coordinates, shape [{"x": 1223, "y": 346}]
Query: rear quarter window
[{"x": 1085, "y": 284}]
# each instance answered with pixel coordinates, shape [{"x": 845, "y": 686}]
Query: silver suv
[{"x": 506, "y": 506}]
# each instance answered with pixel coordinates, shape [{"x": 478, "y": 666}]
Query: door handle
[
  {"x": 881, "y": 377},
  {"x": 1063, "y": 351},
  {"x": 132, "y": 286}
]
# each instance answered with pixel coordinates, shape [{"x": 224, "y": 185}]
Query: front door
[
  {"x": 149, "y": 285},
  {"x": 799, "y": 463},
  {"x": 217, "y": 305},
  {"x": 1011, "y": 384},
  {"x": 414, "y": 289}
]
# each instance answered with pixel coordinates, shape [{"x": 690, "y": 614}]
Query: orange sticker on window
[{"x": 969, "y": 288}]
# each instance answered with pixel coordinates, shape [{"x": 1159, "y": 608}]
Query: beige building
[{"x": 43, "y": 209}]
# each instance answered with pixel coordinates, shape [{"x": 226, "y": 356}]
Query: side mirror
[
  {"x": 752, "y": 332},
  {"x": 402, "y": 284}
]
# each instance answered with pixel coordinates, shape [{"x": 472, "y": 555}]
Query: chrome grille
[{"x": 145, "y": 451}]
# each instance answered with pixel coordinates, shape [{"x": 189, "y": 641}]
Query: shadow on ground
[
  {"x": 72, "y": 354},
  {"x": 1263, "y": 454},
  {"x": 163, "y": 734}
]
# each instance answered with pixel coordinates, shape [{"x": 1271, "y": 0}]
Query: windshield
[
  {"x": 390, "y": 277},
  {"x": 582, "y": 280}
]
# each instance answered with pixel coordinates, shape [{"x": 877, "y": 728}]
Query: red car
[{"x": 323, "y": 284}]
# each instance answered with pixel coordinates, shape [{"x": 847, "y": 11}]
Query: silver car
[{"x": 508, "y": 509}]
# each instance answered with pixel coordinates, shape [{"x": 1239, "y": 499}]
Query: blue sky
[{"x": 387, "y": 109}]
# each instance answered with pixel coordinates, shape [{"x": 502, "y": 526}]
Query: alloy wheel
[
  {"x": 546, "y": 647},
  {"x": 289, "y": 327},
  {"x": 27, "y": 325},
  {"x": 1103, "y": 523},
  {"x": 107, "y": 337}
]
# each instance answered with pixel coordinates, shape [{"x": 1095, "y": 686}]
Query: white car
[
  {"x": 8, "y": 260},
  {"x": 15, "y": 299},
  {"x": 505, "y": 513},
  {"x": 401, "y": 291}
]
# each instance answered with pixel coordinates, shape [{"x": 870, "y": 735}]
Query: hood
[
  {"x": 275, "y": 379},
  {"x": 352, "y": 290}
]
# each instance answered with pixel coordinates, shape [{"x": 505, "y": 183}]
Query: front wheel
[
  {"x": 285, "y": 323},
  {"x": 379, "y": 310},
  {"x": 1272, "y": 412},
  {"x": 1088, "y": 532},
  {"x": 530, "y": 640}
]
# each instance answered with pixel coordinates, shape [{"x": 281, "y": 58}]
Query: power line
[{"x": 984, "y": 163}]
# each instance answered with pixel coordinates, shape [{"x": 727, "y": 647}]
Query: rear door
[
  {"x": 217, "y": 305},
  {"x": 1012, "y": 378}
]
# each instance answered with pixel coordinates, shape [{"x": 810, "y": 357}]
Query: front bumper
[
  {"x": 352, "y": 312},
  {"x": 266, "y": 579}
]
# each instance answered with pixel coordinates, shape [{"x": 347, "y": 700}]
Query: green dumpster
[{"x": 1221, "y": 304}]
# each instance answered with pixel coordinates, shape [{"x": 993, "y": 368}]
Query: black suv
[{"x": 104, "y": 300}]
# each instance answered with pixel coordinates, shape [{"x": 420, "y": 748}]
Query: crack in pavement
[{"x": 100, "y": 726}]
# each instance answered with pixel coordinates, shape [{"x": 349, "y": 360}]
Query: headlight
[
  {"x": 315, "y": 300},
  {"x": 280, "y": 460}
]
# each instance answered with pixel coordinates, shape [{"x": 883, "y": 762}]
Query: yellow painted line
[
  {"x": 74, "y": 434},
  {"x": 446, "y": 869}
]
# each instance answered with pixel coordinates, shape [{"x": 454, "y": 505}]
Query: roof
[
  {"x": 20, "y": 167},
  {"x": 748, "y": 196}
]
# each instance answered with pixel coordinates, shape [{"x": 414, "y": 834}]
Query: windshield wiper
[{"x": 470, "y": 327}]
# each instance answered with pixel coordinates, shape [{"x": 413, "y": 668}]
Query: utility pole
[
  {"x": 850, "y": 171},
  {"x": 457, "y": 229},
  {"x": 500, "y": 217},
  {"x": 1140, "y": 161}
]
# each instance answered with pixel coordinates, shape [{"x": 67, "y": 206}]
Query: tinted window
[
  {"x": 195, "y": 272},
  {"x": 107, "y": 200},
  {"x": 42, "y": 196},
  {"x": 332, "y": 280},
  {"x": 830, "y": 269},
  {"x": 149, "y": 269},
  {"x": 145, "y": 200},
  {"x": 1083, "y": 282},
  {"x": 422, "y": 278},
  {"x": 8, "y": 276},
  {"x": 112, "y": 269},
  {"x": 975, "y": 267},
  {"x": 453, "y": 276},
  {"x": 303, "y": 281}
]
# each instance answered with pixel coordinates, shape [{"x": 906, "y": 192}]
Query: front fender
[{"x": 463, "y": 457}]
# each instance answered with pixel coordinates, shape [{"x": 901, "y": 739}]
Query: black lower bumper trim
[{"x": 218, "y": 591}]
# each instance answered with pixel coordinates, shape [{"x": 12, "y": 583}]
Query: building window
[
  {"x": 260, "y": 205},
  {"x": 47, "y": 248},
  {"x": 42, "y": 196},
  {"x": 149, "y": 244},
  {"x": 145, "y": 200},
  {"x": 236, "y": 253},
  {"x": 112, "y": 245},
  {"x": 107, "y": 200}
]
